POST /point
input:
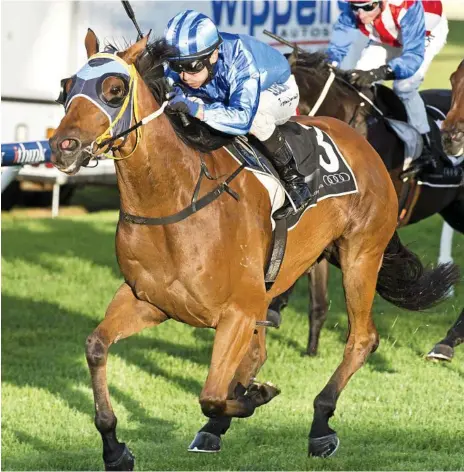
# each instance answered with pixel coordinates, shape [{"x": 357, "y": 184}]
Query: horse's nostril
[{"x": 69, "y": 145}]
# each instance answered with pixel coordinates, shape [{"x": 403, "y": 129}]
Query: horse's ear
[
  {"x": 130, "y": 54},
  {"x": 293, "y": 57},
  {"x": 91, "y": 43}
]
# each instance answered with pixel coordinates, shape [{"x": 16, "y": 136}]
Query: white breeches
[
  {"x": 276, "y": 106},
  {"x": 376, "y": 55}
]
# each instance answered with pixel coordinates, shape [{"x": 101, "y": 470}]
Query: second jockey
[
  {"x": 404, "y": 37},
  {"x": 237, "y": 85}
]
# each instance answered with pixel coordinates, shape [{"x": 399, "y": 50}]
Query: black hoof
[
  {"x": 205, "y": 442},
  {"x": 309, "y": 353},
  {"x": 323, "y": 447},
  {"x": 261, "y": 394},
  {"x": 125, "y": 462},
  {"x": 273, "y": 317},
  {"x": 440, "y": 352}
]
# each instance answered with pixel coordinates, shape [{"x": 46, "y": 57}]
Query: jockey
[
  {"x": 405, "y": 35},
  {"x": 237, "y": 85}
]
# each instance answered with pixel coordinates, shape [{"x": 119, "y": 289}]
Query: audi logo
[{"x": 333, "y": 179}]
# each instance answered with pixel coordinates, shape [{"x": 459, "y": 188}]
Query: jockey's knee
[{"x": 263, "y": 126}]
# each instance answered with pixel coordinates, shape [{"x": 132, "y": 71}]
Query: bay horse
[
  {"x": 206, "y": 267},
  {"x": 344, "y": 102}
]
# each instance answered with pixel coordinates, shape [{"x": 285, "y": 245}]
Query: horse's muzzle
[
  {"x": 453, "y": 141},
  {"x": 68, "y": 154}
]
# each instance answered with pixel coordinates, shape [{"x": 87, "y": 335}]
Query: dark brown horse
[
  {"x": 453, "y": 142},
  {"x": 444, "y": 349},
  {"x": 343, "y": 102},
  {"x": 206, "y": 268}
]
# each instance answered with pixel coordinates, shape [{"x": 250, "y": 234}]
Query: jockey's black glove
[{"x": 365, "y": 78}]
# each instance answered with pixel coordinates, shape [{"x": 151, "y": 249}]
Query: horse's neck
[
  {"x": 339, "y": 101},
  {"x": 159, "y": 178}
]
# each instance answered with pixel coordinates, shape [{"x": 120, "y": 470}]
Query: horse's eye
[{"x": 113, "y": 90}]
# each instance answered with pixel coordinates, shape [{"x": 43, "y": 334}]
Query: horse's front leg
[
  {"x": 208, "y": 439},
  {"x": 125, "y": 316}
]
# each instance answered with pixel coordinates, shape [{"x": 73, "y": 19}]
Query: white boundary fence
[{"x": 24, "y": 161}]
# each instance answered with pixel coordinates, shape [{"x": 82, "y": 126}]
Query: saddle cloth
[{"x": 318, "y": 158}]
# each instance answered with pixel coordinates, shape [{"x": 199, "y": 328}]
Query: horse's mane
[
  {"x": 317, "y": 62},
  {"x": 197, "y": 135}
]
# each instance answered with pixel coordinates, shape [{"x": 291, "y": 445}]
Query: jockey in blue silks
[
  {"x": 404, "y": 37},
  {"x": 237, "y": 85}
]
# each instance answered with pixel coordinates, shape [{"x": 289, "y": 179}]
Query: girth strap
[
  {"x": 195, "y": 206},
  {"x": 279, "y": 242}
]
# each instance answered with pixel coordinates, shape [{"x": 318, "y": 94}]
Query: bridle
[{"x": 107, "y": 139}]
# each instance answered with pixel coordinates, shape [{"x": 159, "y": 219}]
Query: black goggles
[
  {"x": 368, "y": 7},
  {"x": 190, "y": 67}
]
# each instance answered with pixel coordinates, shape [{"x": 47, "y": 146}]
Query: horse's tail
[{"x": 406, "y": 283}]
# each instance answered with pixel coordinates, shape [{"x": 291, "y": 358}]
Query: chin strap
[{"x": 210, "y": 69}]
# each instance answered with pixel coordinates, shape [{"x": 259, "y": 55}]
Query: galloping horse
[
  {"x": 203, "y": 264},
  {"x": 344, "y": 102},
  {"x": 452, "y": 132}
]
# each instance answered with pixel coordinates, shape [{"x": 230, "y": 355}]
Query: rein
[
  {"x": 195, "y": 205},
  {"x": 105, "y": 139},
  {"x": 326, "y": 89}
]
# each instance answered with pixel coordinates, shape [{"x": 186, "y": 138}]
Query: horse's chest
[{"x": 181, "y": 291}]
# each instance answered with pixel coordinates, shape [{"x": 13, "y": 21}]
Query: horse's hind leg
[
  {"x": 124, "y": 316},
  {"x": 453, "y": 214},
  {"x": 360, "y": 270},
  {"x": 208, "y": 439},
  {"x": 318, "y": 281},
  {"x": 444, "y": 349}
]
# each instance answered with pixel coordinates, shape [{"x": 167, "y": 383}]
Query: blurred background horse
[{"x": 343, "y": 101}]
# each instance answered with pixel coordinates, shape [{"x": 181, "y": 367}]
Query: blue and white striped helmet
[{"x": 193, "y": 34}]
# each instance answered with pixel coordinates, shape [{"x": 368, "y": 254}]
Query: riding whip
[{"x": 131, "y": 15}]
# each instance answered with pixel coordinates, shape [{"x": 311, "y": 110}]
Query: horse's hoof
[
  {"x": 262, "y": 393},
  {"x": 205, "y": 442},
  {"x": 273, "y": 317},
  {"x": 323, "y": 447},
  {"x": 440, "y": 352},
  {"x": 309, "y": 353},
  {"x": 125, "y": 462}
]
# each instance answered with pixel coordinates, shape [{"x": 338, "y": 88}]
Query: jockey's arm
[
  {"x": 237, "y": 115},
  {"x": 343, "y": 35},
  {"x": 413, "y": 38}
]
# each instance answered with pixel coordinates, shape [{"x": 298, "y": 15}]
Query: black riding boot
[{"x": 282, "y": 157}]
